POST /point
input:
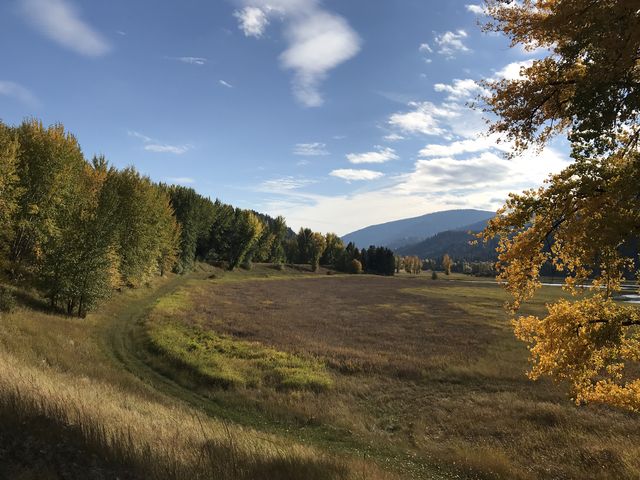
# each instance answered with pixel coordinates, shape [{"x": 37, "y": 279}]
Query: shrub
[
  {"x": 7, "y": 300},
  {"x": 434, "y": 275},
  {"x": 356, "y": 266}
]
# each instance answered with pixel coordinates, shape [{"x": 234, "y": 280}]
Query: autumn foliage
[{"x": 585, "y": 220}]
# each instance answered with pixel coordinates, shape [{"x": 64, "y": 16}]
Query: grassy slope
[{"x": 70, "y": 410}]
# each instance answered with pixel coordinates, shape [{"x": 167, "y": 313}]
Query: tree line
[{"x": 79, "y": 230}]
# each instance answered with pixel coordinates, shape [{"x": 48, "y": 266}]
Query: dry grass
[
  {"x": 68, "y": 409},
  {"x": 426, "y": 380},
  {"x": 424, "y": 373}
]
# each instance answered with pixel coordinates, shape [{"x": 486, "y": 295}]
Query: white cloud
[
  {"x": 449, "y": 43},
  {"x": 393, "y": 137},
  {"x": 512, "y": 70},
  {"x": 17, "y": 91},
  {"x": 484, "y": 170},
  {"x": 60, "y": 21},
  {"x": 181, "y": 180},
  {"x": 152, "y": 145},
  {"x": 425, "y": 48},
  {"x": 460, "y": 89},
  {"x": 464, "y": 168},
  {"x": 474, "y": 8},
  {"x": 351, "y": 174},
  {"x": 424, "y": 118},
  {"x": 318, "y": 41},
  {"x": 190, "y": 60},
  {"x": 469, "y": 145},
  {"x": 380, "y": 155},
  {"x": 252, "y": 21},
  {"x": 225, "y": 84},
  {"x": 314, "y": 149},
  {"x": 318, "y": 44}
]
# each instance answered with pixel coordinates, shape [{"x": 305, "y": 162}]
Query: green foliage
[
  {"x": 50, "y": 168},
  {"x": 304, "y": 240},
  {"x": 195, "y": 215},
  {"x": 333, "y": 251},
  {"x": 145, "y": 229},
  {"x": 7, "y": 300},
  {"x": 316, "y": 247},
  {"x": 378, "y": 260},
  {"x": 247, "y": 230},
  {"x": 10, "y": 191},
  {"x": 77, "y": 230}
]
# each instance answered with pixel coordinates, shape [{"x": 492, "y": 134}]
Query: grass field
[{"x": 269, "y": 374}]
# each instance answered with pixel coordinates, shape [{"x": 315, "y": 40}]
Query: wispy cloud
[
  {"x": 460, "y": 89},
  {"x": 60, "y": 21},
  {"x": 152, "y": 145},
  {"x": 181, "y": 180},
  {"x": 163, "y": 148},
  {"x": 475, "y": 8},
  {"x": 225, "y": 84},
  {"x": 318, "y": 41},
  {"x": 393, "y": 137},
  {"x": 450, "y": 43},
  {"x": 314, "y": 149},
  {"x": 351, "y": 174},
  {"x": 461, "y": 167},
  {"x": 380, "y": 155},
  {"x": 20, "y": 93},
  {"x": 190, "y": 60},
  {"x": 285, "y": 184}
]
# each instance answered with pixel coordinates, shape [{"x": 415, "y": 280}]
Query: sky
[{"x": 335, "y": 114}]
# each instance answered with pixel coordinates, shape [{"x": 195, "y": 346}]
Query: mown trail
[
  {"x": 121, "y": 337},
  {"x": 118, "y": 336}
]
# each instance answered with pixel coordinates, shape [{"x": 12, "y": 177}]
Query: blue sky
[{"x": 336, "y": 114}]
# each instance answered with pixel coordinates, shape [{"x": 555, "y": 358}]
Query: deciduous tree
[{"x": 586, "y": 219}]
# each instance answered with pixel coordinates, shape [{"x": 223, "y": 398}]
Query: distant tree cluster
[
  {"x": 80, "y": 230},
  {"x": 412, "y": 264},
  {"x": 309, "y": 247}
]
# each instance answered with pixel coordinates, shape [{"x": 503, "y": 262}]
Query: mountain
[
  {"x": 456, "y": 243},
  {"x": 409, "y": 231}
]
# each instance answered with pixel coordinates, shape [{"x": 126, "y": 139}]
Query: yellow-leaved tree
[{"x": 586, "y": 219}]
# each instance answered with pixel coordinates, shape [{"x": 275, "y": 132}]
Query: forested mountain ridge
[
  {"x": 456, "y": 243},
  {"x": 409, "y": 231}
]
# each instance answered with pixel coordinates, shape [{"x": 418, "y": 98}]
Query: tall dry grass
[{"x": 146, "y": 439}]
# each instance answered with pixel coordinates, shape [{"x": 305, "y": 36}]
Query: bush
[
  {"x": 7, "y": 300},
  {"x": 434, "y": 275},
  {"x": 356, "y": 266}
]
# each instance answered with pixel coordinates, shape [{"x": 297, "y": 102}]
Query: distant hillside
[
  {"x": 456, "y": 244},
  {"x": 410, "y": 231}
]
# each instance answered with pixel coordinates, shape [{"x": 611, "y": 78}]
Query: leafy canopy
[{"x": 586, "y": 219}]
